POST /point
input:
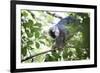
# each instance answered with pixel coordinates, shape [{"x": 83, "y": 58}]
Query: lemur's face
[{"x": 54, "y": 32}]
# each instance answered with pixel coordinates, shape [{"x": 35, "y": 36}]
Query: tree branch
[
  {"x": 53, "y": 14},
  {"x": 36, "y": 55}
]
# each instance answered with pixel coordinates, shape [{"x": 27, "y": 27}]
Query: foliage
[{"x": 35, "y": 39}]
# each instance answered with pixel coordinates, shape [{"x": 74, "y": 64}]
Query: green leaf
[
  {"x": 30, "y": 22},
  {"x": 56, "y": 55},
  {"x": 37, "y": 34},
  {"x": 42, "y": 42},
  {"x": 49, "y": 58},
  {"x": 24, "y": 14},
  {"x": 24, "y": 51},
  {"x": 37, "y": 45},
  {"x": 29, "y": 34},
  {"x": 79, "y": 53},
  {"x": 38, "y": 24},
  {"x": 33, "y": 29},
  {"x": 65, "y": 53},
  {"x": 30, "y": 42},
  {"x": 70, "y": 53}
]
